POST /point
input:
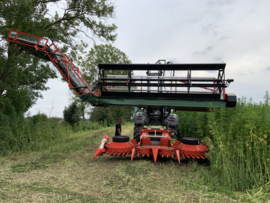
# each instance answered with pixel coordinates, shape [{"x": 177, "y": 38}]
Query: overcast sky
[{"x": 216, "y": 31}]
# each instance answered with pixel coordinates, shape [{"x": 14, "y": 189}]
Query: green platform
[{"x": 176, "y": 104}]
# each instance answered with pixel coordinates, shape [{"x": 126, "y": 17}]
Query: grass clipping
[{"x": 67, "y": 172}]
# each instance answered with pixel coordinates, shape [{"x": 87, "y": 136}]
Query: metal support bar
[
  {"x": 78, "y": 87},
  {"x": 189, "y": 80},
  {"x": 163, "y": 85},
  {"x": 169, "y": 80},
  {"x": 129, "y": 79}
]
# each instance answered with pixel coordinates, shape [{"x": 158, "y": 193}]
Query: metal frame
[
  {"x": 53, "y": 54},
  {"x": 217, "y": 87},
  {"x": 101, "y": 94}
]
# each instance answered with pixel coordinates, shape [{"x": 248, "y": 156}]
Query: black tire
[
  {"x": 136, "y": 133},
  {"x": 175, "y": 131},
  {"x": 191, "y": 141},
  {"x": 120, "y": 138}
]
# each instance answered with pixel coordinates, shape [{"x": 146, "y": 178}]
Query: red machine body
[{"x": 152, "y": 142}]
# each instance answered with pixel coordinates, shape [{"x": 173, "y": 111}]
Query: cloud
[
  {"x": 217, "y": 3},
  {"x": 204, "y": 52},
  {"x": 209, "y": 29},
  {"x": 267, "y": 69},
  {"x": 218, "y": 59},
  {"x": 223, "y": 38},
  {"x": 173, "y": 60}
]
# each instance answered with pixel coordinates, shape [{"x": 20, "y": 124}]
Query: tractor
[{"x": 154, "y": 91}]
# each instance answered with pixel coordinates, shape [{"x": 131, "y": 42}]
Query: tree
[
  {"x": 23, "y": 76},
  {"x": 105, "y": 54},
  {"x": 72, "y": 113},
  {"x": 102, "y": 54},
  {"x": 82, "y": 106},
  {"x": 110, "y": 114}
]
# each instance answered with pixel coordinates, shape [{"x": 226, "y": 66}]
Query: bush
[
  {"x": 72, "y": 114},
  {"x": 39, "y": 118}
]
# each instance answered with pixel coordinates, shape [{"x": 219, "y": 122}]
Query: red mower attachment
[{"x": 153, "y": 142}]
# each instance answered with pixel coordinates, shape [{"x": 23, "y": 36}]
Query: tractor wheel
[
  {"x": 191, "y": 141},
  {"x": 120, "y": 138},
  {"x": 136, "y": 133},
  {"x": 175, "y": 131}
]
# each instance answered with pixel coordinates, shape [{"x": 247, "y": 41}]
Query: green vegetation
[
  {"x": 238, "y": 169},
  {"x": 110, "y": 115},
  {"x": 66, "y": 171},
  {"x": 240, "y": 158},
  {"x": 23, "y": 76},
  {"x": 72, "y": 113},
  {"x": 102, "y": 54},
  {"x": 105, "y": 54},
  {"x": 38, "y": 132},
  {"x": 46, "y": 159}
]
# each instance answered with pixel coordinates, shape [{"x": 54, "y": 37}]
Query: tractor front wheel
[
  {"x": 191, "y": 141},
  {"x": 120, "y": 138},
  {"x": 136, "y": 133}
]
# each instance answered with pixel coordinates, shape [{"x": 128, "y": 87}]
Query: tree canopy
[
  {"x": 102, "y": 54},
  {"x": 23, "y": 76},
  {"x": 105, "y": 54}
]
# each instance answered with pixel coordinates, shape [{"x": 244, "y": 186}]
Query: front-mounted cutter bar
[{"x": 147, "y": 146}]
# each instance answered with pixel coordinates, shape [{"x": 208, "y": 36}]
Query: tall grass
[
  {"x": 240, "y": 158},
  {"x": 26, "y": 134}
]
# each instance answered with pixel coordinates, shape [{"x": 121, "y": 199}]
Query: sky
[{"x": 215, "y": 31}]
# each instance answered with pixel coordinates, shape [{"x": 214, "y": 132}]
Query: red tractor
[{"x": 155, "y": 90}]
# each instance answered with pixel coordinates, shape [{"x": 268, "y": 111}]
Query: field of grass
[{"x": 67, "y": 172}]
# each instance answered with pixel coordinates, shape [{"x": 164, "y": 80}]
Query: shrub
[{"x": 72, "y": 113}]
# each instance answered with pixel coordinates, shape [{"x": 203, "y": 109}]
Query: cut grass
[{"x": 67, "y": 172}]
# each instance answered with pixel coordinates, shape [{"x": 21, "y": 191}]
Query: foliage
[
  {"x": 121, "y": 180},
  {"x": 102, "y": 54},
  {"x": 242, "y": 151},
  {"x": 193, "y": 124},
  {"x": 72, "y": 113},
  {"x": 23, "y": 76},
  {"x": 109, "y": 116},
  {"x": 40, "y": 117},
  {"x": 240, "y": 158},
  {"x": 82, "y": 106},
  {"x": 37, "y": 132},
  {"x": 20, "y": 133},
  {"x": 105, "y": 54}
]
